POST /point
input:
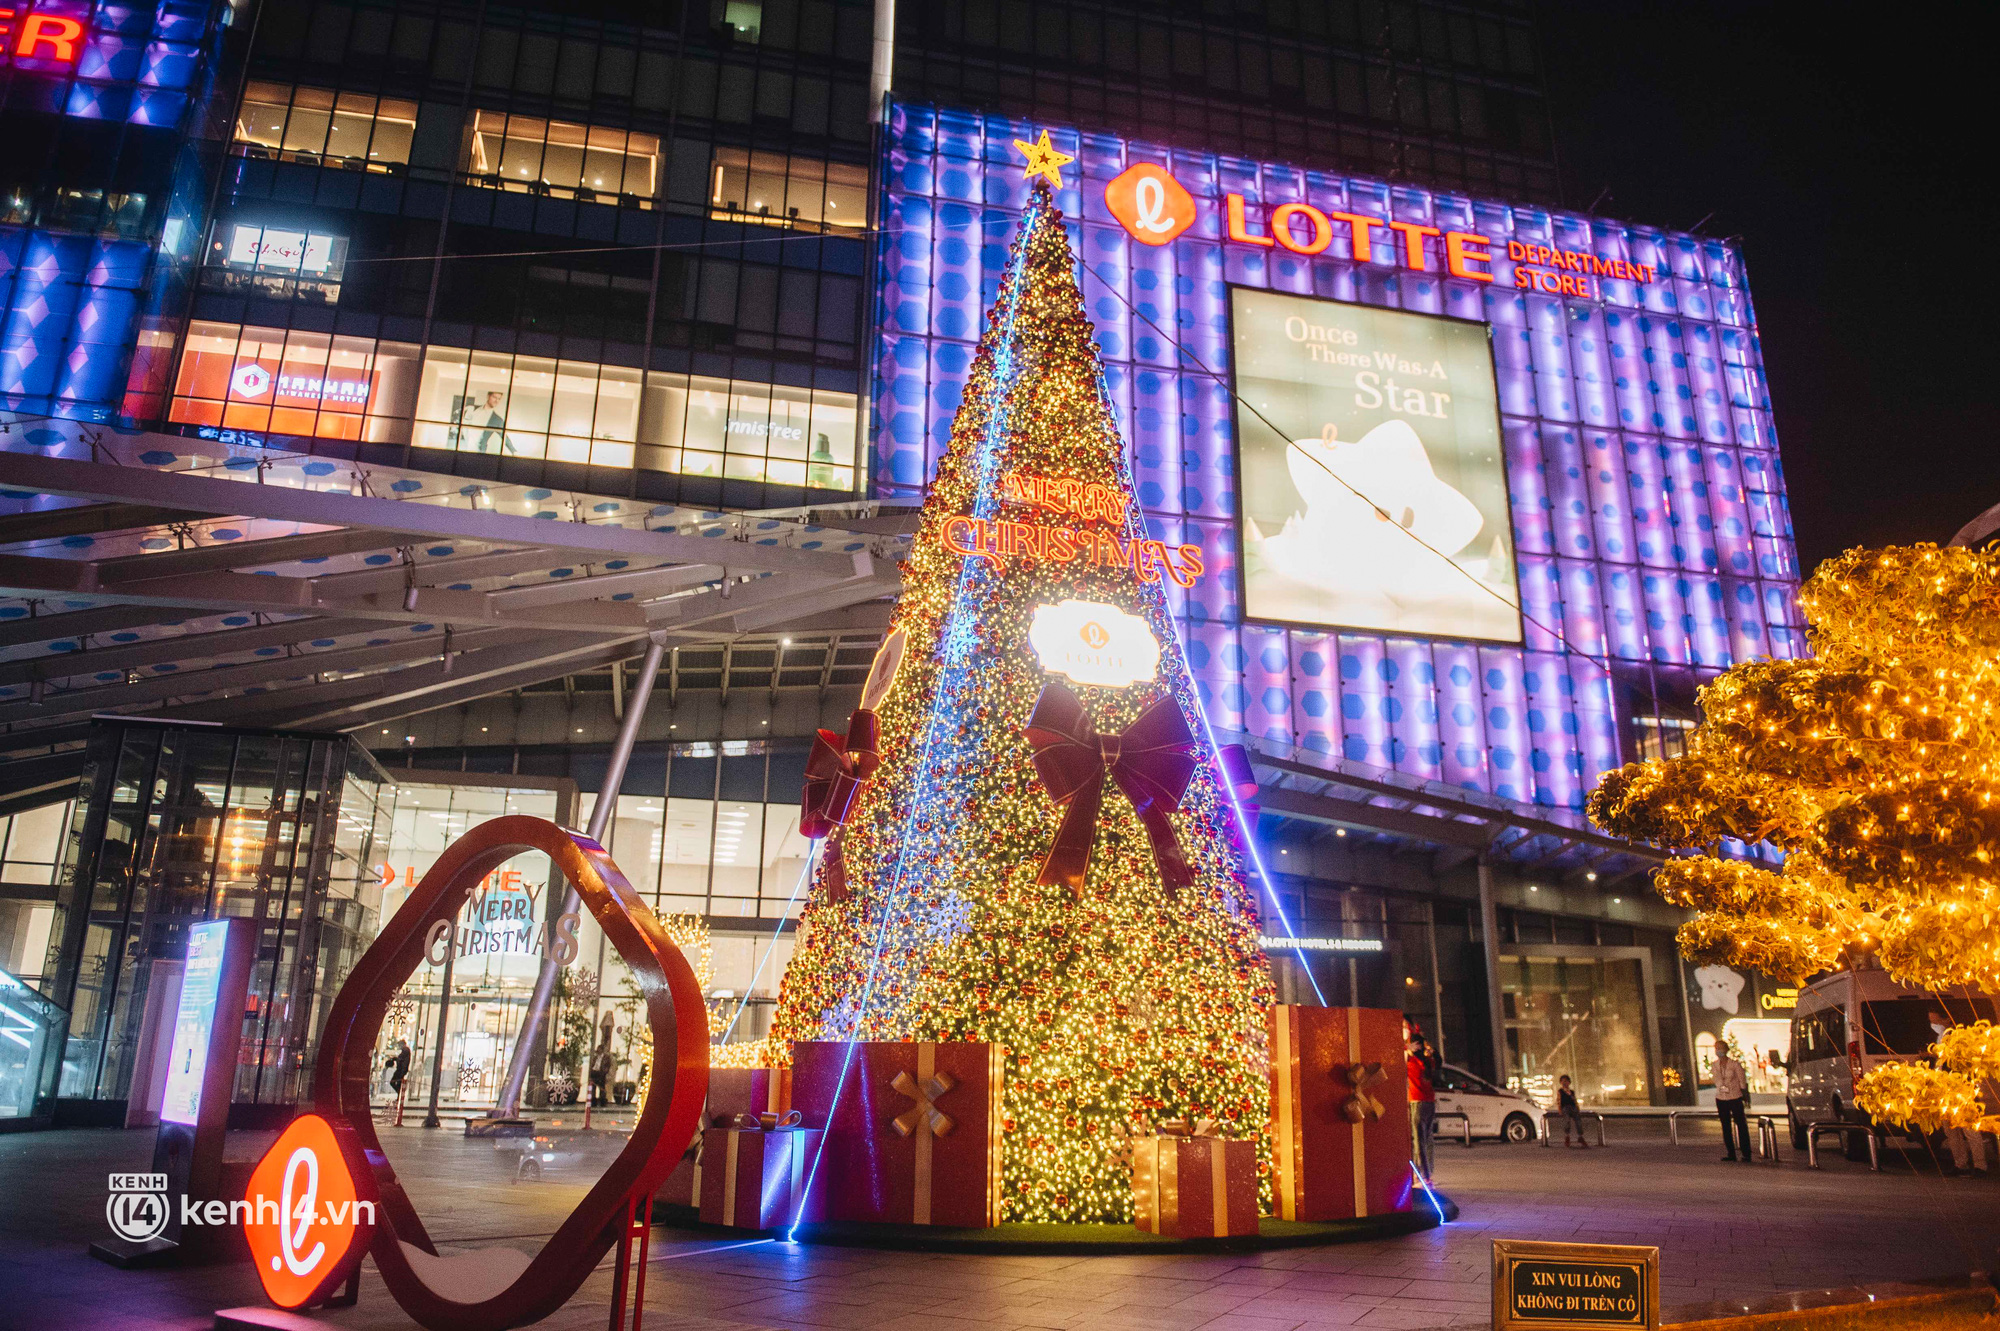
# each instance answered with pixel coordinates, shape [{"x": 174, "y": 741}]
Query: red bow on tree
[
  {"x": 836, "y": 770},
  {"x": 1152, "y": 761}
]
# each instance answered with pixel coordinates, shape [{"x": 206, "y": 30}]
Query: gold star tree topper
[{"x": 1043, "y": 160}]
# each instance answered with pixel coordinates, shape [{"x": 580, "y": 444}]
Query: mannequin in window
[{"x": 488, "y": 418}]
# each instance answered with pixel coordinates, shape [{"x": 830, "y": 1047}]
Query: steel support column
[
  {"x": 600, "y": 818},
  {"x": 1489, "y": 937}
]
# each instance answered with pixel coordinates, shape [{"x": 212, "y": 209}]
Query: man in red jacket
[{"x": 1421, "y": 1064}]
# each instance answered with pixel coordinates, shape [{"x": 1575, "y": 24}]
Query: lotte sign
[
  {"x": 310, "y": 1211},
  {"x": 1155, "y": 209}
]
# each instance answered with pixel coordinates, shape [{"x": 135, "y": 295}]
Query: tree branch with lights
[{"x": 1874, "y": 768}]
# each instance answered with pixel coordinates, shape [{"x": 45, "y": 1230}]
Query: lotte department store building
[{"x": 380, "y": 375}]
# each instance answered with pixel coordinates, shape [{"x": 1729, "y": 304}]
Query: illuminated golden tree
[
  {"x": 1874, "y": 767},
  {"x": 1124, "y": 975}
]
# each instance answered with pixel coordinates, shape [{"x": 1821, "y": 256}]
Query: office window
[
  {"x": 294, "y": 382},
  {"x": 571, "y": 411},
  {"x": 349, "y": 129},
  {"x": 276, "y": 261},
  {"x": 742, "y": 19},
  {"x": 777, "y": 190},
  {"x": 527, "y": 406},
  {"x": 537, "y": 156}
]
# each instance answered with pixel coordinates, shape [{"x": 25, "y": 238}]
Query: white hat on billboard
[{"x": 1388, "y": 470}]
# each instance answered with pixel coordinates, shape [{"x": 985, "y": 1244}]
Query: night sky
[{"x": 1846, "y": 150}]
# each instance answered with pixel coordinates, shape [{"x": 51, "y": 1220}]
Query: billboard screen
[{"x": 1372, "y": 483}]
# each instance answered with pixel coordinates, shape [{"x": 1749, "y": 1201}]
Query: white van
[{"x": 1849, "y": 1023}]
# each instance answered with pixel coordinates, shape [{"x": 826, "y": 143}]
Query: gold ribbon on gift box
[
  {"x": 1187, "y": 1127},
  {"x": 1360, "y": 1105},
  {"x": 923, "y": 1120}
]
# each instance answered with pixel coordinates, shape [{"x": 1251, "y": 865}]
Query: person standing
[
  {"x": 1420, "y": 1065},
  {"x": 1570, "y": 1112},
  {"x": 1732, "y": 1099},
  {"x": 399, "y": 1067},
  {"x": 600, "y": 1065},
  {"x": 1967, "y": 1147}
]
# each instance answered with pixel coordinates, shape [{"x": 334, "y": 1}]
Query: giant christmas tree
[{"x": 1044, "y": 858}]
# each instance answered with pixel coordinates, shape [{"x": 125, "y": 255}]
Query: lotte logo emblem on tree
[{"x": 1150, "y": 204}]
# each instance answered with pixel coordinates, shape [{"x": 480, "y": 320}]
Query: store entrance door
[{"x": 1585, "y": 1012}]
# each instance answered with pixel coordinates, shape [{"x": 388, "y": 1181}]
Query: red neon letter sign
[
  {"x": 1460, "y": 255},
  {"x": 1281, "y": 227},
  {"x": 60, "y": 35},
  {"x": 1413, "y": 241},
  {"x": 1237, "y": 231}
]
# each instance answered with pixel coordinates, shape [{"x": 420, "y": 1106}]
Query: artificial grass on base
[{"x": 1106, "y": 1240}]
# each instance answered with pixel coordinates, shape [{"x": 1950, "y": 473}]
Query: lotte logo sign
[
  {"x": 311, "y": 1214},
  {"x": 1150, "y": 204},
  {"x": 1155, "y": 209}
]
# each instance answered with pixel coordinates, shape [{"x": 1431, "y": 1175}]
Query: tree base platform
[{"x": 1086, "y": 1240}]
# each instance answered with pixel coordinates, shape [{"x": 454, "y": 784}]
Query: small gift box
[
  {"x": 1187, "y": 1184},
  {"x": 734, "y": 1091},
  {"x": 753, "y": 1171},
  {"x": 913, "y": 1130},
  {"x": 1340, "y": 1126}
]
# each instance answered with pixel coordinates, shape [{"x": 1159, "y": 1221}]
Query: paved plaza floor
[{"x": 1725, "y": 1231}]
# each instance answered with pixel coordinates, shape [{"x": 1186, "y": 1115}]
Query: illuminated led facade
[
  {"x": 1648, "y": 513},
  {"x": 101, "y": 100}
]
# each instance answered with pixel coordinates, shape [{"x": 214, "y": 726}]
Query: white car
[{"x": 1492, "y": 1111}]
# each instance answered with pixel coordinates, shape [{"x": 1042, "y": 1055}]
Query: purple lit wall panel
[
  {"x": 1648, "y": 508},
  {"x": 1413, "y": 713},
  {"x": 1315, "y": 703},
  {"x": 1364, "y": 718},
  {"x": 1267, "y": 677},
  {"x": 1461, "y": 734}
]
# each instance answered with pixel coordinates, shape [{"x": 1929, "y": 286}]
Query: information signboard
[{"x": 1575, "y": 1286}]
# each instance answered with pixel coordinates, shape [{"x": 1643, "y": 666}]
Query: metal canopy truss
[
  {"x": 1396, "y": 808},
  {"x": 214, "y": 579}
]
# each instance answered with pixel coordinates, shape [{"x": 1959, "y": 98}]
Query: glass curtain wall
[
  {"x": 177, "y": 825},
  {"x": 30, "y": 848},
  {"x": 1585, "y": 1016},
  {"x": 501, "y": 938}
]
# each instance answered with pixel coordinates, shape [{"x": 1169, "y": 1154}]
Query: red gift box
[
  {"x": 1340, "y": 1127},
  {"x": 732, "y": 1094},
  {"x": 913, "y": 1137},
  {"x": 751, "y": 1177},
  {"x": 1191, "y": 1187},
  {"x": 733, "y": 1091}
]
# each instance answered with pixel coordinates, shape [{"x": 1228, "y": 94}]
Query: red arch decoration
[{"x": 666, "y": 1123}]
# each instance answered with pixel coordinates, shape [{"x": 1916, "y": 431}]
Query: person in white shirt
[
  {"x": 1968, "y": 1148},
  {"x": 1731, "y": 1102}
]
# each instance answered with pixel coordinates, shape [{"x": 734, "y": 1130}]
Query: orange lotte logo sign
[
  {"x": 1154, "y": 209},
  {"x": 999, "y": 539},
  {"x": 310, "y": 1211}
]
